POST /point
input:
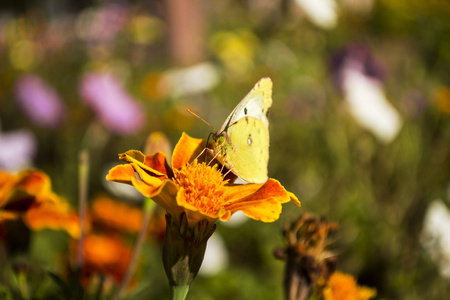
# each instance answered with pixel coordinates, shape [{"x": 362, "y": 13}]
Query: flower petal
[
  {"x": 144, "y": 188},
  {"x": 132, "y": 156},
  {"x": 147, "y": 185},
  {"x": 20, "y": 191},
  {"x": 145, "y": 177},
  {"x": 264, "y": 204},
  {"x": 186, "y": 150},
  {"x": 168, "y": 192},
  {"x": 137, "y": 157},
  {"x": 158, "y": 162},
  {"x": 121, "y": 173},
  {"x": 239, "y": 191},
  {"x": 53, "y": 213},
  {"x": 116, "y": 215}
]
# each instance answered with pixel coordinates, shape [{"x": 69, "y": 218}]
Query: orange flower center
[{"x": 203, "y": 186}]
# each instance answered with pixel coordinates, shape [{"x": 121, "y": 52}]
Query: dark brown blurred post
[{"x": 186, "y": 26}]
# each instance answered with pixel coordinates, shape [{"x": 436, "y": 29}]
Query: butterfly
[{"x": 242, "y": 143}]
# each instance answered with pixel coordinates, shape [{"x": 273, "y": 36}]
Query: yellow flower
[
  {"x": 197, "y": 189},
  {"x": 343, "y": 287}
]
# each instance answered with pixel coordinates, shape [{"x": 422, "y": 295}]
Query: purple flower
[
  {"x": 39, "y": 101},
  {"x": 114, "y": 107},
  {"x": 104, "y": 23},
  {"x": 17, "y": 149}
]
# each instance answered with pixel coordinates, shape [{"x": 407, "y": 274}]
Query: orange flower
[
  {"x": 343, "y": 287},
  {"x": 196, "y": 189},
  {"x": 53, "y": 213},
  {"x": 116, "y": 215},
  {"x": 194, "y": 196},
  {"x": 19, "y": 192},
  {"x": 29, "y": 194},
  {"x": 107, "y": 255}
]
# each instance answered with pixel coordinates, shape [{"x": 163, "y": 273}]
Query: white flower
[
  {"x": 435, "y": 237},
  {"x": 369, "y": 106},
  {"x": 322, "y": 13}
]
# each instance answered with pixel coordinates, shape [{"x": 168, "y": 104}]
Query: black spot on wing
[{"x": 245, "y": 110}]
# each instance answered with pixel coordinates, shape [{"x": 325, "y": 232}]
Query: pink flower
[
  {"x": 114, "y": 107},
  {"x": 39, "y": 101},
  {"x": 17, "y": 149}
]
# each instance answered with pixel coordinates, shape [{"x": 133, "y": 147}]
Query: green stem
[
  {"x": 179, "y": 292},
  {"x": 101, "y": 285},
  {"x": 83, "y": 175},
  {"x": 149, "y": 206},
  {"x": 23, "y": 285}
]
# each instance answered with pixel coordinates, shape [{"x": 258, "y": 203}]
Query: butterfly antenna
[{"x": 193, "y": 113}]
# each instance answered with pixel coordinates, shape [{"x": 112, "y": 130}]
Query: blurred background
[{"x": 360, "y": 126}]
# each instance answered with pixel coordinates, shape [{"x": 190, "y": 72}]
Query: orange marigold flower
[
  {"x": 19, "y": 191},
  {"x": 29, "y": 194},
  {"x": 343, "y": 287},
  {"x": 116, "y": 215},
  {"x": 107, "y": 255},
  {"x": 194, "y": 196},
  {"x": 197, "y": 189},
  {"x": 53, "y": 213}
]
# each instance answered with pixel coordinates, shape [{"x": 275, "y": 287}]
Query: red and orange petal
[
  {"x": 344, "y": 287},
  {"x": 34, "y": 182},
  {"x": 53, "y": 213},
  {"x": 116, "y": 215},
  {"x": 262, "y": 204},
  {"x": 7, "y": 182},
  {"x": 18, "y": 192},
  {"x": 6, "y": 216}
]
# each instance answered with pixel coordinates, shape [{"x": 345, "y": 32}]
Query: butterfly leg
[
  {"x": 215, "y": 156},
  {"x": 201, "y": 153},
  {"x": 228, "y": 172}
]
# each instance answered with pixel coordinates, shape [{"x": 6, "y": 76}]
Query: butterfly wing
[
  {"x": 242, "y": 143},
  {"x": 255, "y": 104},
  {"x": 247, "y": 153}
]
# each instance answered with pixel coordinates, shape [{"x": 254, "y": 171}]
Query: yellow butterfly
[{"x": 242, "y": 143}]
